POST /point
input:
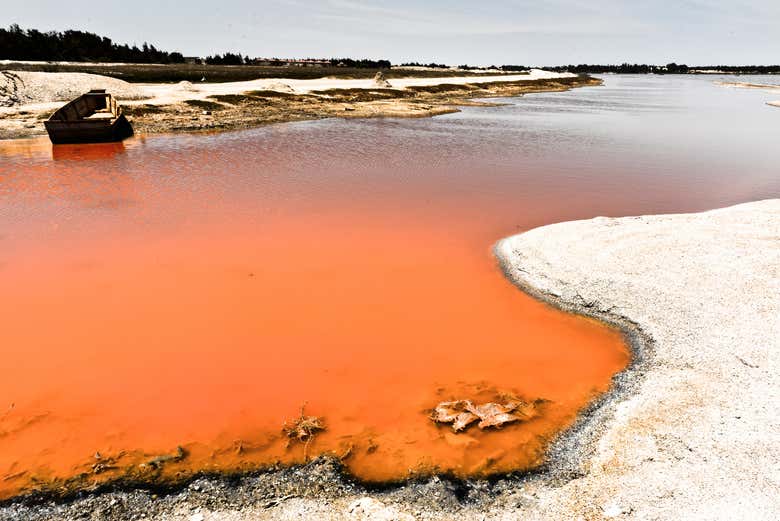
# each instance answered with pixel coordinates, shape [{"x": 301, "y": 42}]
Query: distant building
[{"x": 283, "y": 62}]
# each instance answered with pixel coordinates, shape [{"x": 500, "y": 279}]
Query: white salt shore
[{"x": 700, "y": 437}]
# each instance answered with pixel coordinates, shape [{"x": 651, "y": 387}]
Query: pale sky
[{"x": 526, "y": 32}]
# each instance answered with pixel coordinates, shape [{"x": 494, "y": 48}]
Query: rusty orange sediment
[{"x": 157, "y": 323}]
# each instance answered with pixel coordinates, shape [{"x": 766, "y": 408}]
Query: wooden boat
[{"x": 93, "y": 117}]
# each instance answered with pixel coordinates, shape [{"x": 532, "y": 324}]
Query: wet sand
[
  {"x": 747, "y": 85},
  {"x": 693, "y": 433}
]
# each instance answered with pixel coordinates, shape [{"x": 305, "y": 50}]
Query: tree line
[
  {"x": 78, "y": 46},
  {"x": 81, "y": 46},
  {"x": 230, "y": 58},
  {"x": 623, "y": 68},
  {"x": 669, "y": 68}
]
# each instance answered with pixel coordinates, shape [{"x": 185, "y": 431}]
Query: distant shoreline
[
  {"x": 187, "y": 107},
  {"x": 172, "y": 73}
]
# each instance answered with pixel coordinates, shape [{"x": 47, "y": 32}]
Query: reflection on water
[
  {"x": 86, "y": 152},
  {"x": 198, "y": 290}
]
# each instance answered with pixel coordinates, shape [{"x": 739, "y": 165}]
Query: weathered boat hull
[
  {"x": 86, "y": 131},
  {"x": 93, "y": 117}
]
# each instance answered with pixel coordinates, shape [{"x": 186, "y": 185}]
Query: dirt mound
[
  {"x": 381, "y": 81},
  {"x": 21, "y": 88},
  {"x": 186, "y": 86},
  {"x": 281, "y": 87}
]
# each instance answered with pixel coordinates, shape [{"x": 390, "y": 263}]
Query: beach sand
[{"x": 690, "y": 430}]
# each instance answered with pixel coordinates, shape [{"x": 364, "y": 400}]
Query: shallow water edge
[{"x": 326, "y": 478}]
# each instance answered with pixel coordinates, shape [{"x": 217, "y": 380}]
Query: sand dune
[{"x": 19, "y": 89}]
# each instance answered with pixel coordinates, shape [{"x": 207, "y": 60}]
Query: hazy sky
[{"x": 529, "y": 32}]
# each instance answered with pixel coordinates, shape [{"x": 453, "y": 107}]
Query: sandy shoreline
[
  {"x": 689, "y": 432},
  {"x": 759, "y": 86},
  {"x": 187, "y": 107},
  {"x": 747, "y": 85},
  {"x": 706, "y": 288}
]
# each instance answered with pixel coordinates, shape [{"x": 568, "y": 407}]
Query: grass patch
[
  {"x": 204, "y": 105},
  {"x": 358, "y": 95},
  {"x": 444, "y": 87},
  {"x": 260, "y": 96},
  {"x": 233, "y": 99},
  {"x": 142, "y": 110},
  {"x": 582, "y": 79},
  {"x": 272, "y": 94}
]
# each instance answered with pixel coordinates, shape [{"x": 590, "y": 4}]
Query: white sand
[
  {"x": 701, "y": 437},
  {"x": 20, "y": 89},
  {"x": 47, "y": 90}
]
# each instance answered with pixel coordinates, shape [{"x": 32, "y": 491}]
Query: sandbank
[{"x": 186, "y": 107}]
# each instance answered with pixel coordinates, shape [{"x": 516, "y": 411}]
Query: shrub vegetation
[{"x": 78, "y": 46}]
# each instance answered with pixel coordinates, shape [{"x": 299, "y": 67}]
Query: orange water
[{"x": 198, "y": 291}]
